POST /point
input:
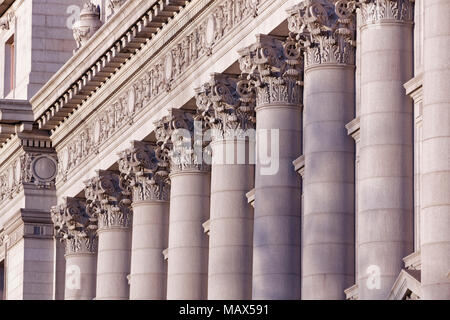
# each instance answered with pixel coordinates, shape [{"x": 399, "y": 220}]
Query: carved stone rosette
[
  {"x": 108, "y": 201},
  {"x": 75, "y": 227},
  {"x": 274, "y": 68},
  {"x": 226, "y": 106},
  {"x": 144, "y": 172},
  {"x": 376, "y": 11},
  {"x": 327, "y": 30},
  {"x": 179, "y": 139}
]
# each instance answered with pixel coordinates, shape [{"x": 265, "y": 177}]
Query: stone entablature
[{"x": 150, "y": 84}]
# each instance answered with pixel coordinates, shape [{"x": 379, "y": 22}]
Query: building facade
[{"x": 236, "y": 149}]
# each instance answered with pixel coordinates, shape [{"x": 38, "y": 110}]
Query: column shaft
[
  {"x": 113, "y": 265},
  {"x": 277, "y": 222},
  {"x": 231, "y": 231},
  {"x": 435, "y": 211},
  {"x": 81, "y": 272},
  {"x": 148, "y": 277},
  {"x": 328, "y": 248},
  {"x": 187, "y": 277},
  {"x": 385, "y": 222}
]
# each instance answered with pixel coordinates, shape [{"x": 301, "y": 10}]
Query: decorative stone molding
[
  {"x": 74, "y": 226},
  {"x": 275, "y": 68},
  {"x": 378, "y": 11},
  {"x": 179, "y": 139},
  {"x": 30, "y": 168},
  {"x": 114, "y": 6},
  {"x": 144, "y": 173},
  {"x": 161, "y": 75},
  {"x": 88, "y": 24},
  {"x": 7, "y": 21},
  {"x": 326, "y": 29},
  {"x": 226, "y": 105},
  {"x": 107, "y": 201}
]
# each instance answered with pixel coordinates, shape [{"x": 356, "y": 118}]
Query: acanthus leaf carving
[
  {"x": 74, "y": 226},
  {"x": 375, "y": 11},
  {"x": 154, "y": 82},
  {"x": 274, "y": 68},
  {"x": 108, "y": 201},
  {"x": 226, "y": 106}
]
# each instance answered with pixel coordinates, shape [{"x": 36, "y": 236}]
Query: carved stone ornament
[
  {"x": 180, "y": 140},
  {"x": 88, "y": 24},
  {"x": 114, "y": 6},
  {"x": 35, "y": 169},
  {"x": 7, "y": 21},
  {"x": 327, "y": 29},
  {"x": 226, "y": 106},
  {"x": 143, "y": 173},
  {"x": 107, "y": 201},
  {"x": 376, "y": 11},
  {"x": 74, "y": 226},
  {"x": 159, "y": 77},
  {"x": 275, "y": 69}
]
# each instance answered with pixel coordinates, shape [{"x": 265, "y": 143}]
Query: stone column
[
  {"x": 385, "y": 222},
  {"x": 232, "y": 176},
  {"x": 435, "y": 211},
  {"x": 107, "y": 201},
  {"x": 276, "y": 68},
  {"x": 328, "y": 34},
  {"x": 77, "y": 230},
  {"x": 147, "y": 177},
  {"x": 187, "y": 270}
]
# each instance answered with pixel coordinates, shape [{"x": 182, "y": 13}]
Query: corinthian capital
[
  {"x": 144, "y": 172},
  {"x": 226, "y": 105},
  {"x": 378, "y": 11},
  {"x": 326, "y": 28},
  {"x": 179, "y": 138},
  {"x": 108, "y": 201},
  {"x": 274, "y": 68},
  {"x": 74, "y": 226}
]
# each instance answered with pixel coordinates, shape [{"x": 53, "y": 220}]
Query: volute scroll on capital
[
  {"x": 108, "y": 201},
  {"x": 273, "y": 68},
  {"x": 144, "y": 172},
  {"x": 226, "y": 106},
  {"x": 326, "y": 29},
  {"x": 379, "y": 11},
  {"x": 75, "y": 226}
]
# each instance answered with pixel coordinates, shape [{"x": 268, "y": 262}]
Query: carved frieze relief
[
  {"x": 144, "y": 172},
  {"x": 274, "y": 68},
  {"x": 74, "y": 226},
  {"x": 159, "y": 78}
]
